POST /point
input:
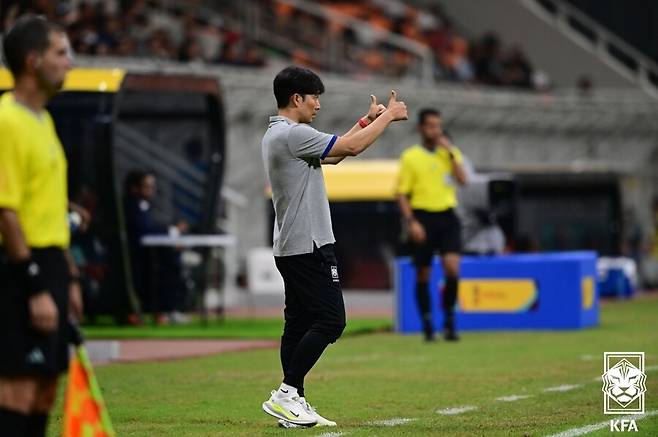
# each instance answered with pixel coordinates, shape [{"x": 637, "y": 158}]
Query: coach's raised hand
[
  {"x": 397, "y": 109},
  {"x": 356, "y": 142},
  {"x": 375, "y": 109}
]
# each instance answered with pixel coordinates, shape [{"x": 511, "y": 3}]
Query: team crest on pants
[{"x": 334, "y": 273}]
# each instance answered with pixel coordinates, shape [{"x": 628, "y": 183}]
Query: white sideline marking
[
  {"x": 391, "y": 422},
  {"x": 330, "y": 434},
  {"x": 562, "y": 388},
  {"x": 456, "y": 410},
  {"x": 512, "y": 398},
  {"x": 595, "y": 427}
]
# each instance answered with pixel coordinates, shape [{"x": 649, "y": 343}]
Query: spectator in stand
[
  {"x": 517, "y": 71},
  {"x": 489, "y": 63},
  {"x": 210, "y": 39},
  {"x": 451, "y": 50},
  {"x": 190, "y": 51},
  {"x": 159, "y": 45},
  {"x": 585, "y": 85},
  {"x": 141, "y": 28}
]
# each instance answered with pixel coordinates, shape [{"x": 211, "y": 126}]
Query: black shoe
[
  {"x": 428, "y": 330},
  {"x": 449, "y": 332}
]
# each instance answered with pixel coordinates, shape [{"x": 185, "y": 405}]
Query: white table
[
  {"x": 198, "y": 240},
  {"x": 186, "y": 241}
]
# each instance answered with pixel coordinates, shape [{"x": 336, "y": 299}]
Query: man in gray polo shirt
[{"x": 293, "y": 154}]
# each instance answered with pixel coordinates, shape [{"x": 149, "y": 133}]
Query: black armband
[{"x": 28, "y": 276}]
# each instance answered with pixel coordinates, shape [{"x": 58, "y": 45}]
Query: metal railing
[{"x": 595, "y": 38}]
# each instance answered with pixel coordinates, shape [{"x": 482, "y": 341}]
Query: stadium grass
[
  {"x": 267, "y": 328},
  {"x": 367, "y": 378}
]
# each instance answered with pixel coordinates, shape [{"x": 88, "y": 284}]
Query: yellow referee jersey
[
  {"x": 426, "y": 177},
  {"x": 33, "y": 174}
]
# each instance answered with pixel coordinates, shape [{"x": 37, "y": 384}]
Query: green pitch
[
  {"x": 216, "y": 329},
  {"x": 365, "y": 379}
]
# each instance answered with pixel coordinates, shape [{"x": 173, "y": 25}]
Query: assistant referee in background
[
  {"x": 427, "y": 196},
  {"x": 37, "y": 295}
]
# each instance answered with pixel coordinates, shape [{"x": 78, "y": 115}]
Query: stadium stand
[
  {"x": 565, "y": 42},
  {"x": 390, "y": 38},
  {"x": 185, "y": 31}
]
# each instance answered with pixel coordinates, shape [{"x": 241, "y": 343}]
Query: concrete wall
[{"x": 547, "y": 48}]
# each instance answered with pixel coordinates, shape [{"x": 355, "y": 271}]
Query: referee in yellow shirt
[
  {"x": 429, "y": 173},
  {"x": 37, "y": 295}
]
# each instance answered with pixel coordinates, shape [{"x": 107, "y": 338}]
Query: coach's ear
[
  {"x": 33, "y": 61},
  {"x": 296, "y": 100}
]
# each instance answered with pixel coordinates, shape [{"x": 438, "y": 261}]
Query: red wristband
[{"x": 364, "y": 122}]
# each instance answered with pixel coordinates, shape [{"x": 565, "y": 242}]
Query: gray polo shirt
[{"x": 292, "y": 153}]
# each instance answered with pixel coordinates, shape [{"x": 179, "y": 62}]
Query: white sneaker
[
  {"x": 321, "y": 421},
  {"x": 290, "y": 409},
  {"x": 286, "y": 424}
]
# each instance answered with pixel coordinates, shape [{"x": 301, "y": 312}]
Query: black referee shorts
[
  {"x": 443, "y": 231},
  {"x": 25, "y": 351},
  {"x": 314, "y": 298}
]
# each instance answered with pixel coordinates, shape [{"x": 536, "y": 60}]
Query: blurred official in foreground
[{"x": 39, "y": 290}]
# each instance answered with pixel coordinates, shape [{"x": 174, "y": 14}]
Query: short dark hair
[
  {"x": 427, "y": 112},
  {"x": 295, "y": 80},
  {"x": 29, "y": 33},
  {"x": 134, "y": 180},
  {"x": 446, "y": 134}
]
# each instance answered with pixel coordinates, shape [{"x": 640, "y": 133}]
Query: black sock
[
  {"x": 288, "y": 345},
  {"x": 306, "y": 354},
  {"x": 450, "y": 293},
  {"x": 449, "y": 302},
  {"x": 12, "y": 423},
  {"x": 423, "y": 300},
  {"x": 36, "y": 425}
]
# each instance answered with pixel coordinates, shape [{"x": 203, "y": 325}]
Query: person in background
[
  {"x": 427, "y": 196},
  {"x": 139, "y": 191}
]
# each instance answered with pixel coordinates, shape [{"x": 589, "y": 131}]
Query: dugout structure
[{"x": 113, "y": 121}]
